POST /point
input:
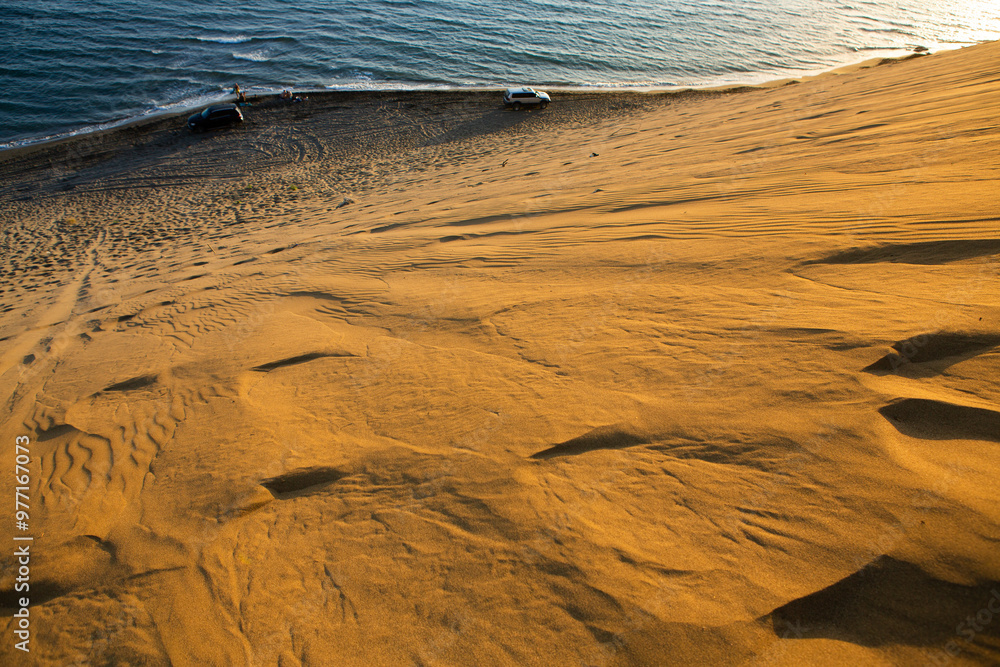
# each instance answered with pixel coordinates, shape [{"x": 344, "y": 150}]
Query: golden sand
[{"x": 397, "y": 379}]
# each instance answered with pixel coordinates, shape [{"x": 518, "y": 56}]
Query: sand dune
[{"x": 404, "y": 378}]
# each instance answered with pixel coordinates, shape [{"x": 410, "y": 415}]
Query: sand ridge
[{"x": 634, "y": 380}]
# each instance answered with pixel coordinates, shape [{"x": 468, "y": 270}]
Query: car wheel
[
  {"x": 543, "y": 105},
  {"x": 517, "y": 106}
]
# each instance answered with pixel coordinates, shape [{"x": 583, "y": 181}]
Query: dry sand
[{"x": 409, "y": 379}]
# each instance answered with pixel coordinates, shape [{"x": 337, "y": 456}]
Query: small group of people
[
  {"x": 241, "y": 98},
  {"x": 287, "y": 96}
]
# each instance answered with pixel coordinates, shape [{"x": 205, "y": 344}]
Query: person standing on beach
[{"x": 240, "y": 97}]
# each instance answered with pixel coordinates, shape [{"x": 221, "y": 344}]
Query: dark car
[{"x": 217, "y": 115}]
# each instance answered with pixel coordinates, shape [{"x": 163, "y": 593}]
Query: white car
[{"x": 525, "y": 97}]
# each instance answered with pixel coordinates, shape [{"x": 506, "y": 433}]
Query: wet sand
[{"x": 407, "y": 378}]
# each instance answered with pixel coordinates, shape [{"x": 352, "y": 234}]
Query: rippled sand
[{"x": 410, "y": 379}]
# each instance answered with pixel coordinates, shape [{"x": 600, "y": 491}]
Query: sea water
[{"x": 69, "y": 66}]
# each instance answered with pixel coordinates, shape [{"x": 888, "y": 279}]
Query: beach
[{"x": 406, "y": 378}]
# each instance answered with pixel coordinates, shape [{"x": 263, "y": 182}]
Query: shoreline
[
  {"x": 181, "y": 109},
  {"x": 25, "y": 170}
]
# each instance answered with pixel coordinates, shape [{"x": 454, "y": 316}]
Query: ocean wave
[
  {"x": 188, "y": 102},
  {"x": 887, "y": 47},
  {"x": 254, "y": 56},
  {"x": 889, "y": 30},
  {"x": 233, "y": 39}
]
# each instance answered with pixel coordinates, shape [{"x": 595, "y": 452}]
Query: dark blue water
[{"x": 71, "y": 65}]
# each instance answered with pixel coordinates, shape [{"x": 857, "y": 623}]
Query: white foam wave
[
  {"x": 187, "y": 103},
  {"x": 254, "y": 56},
  {"x": 233, "y": 39}
]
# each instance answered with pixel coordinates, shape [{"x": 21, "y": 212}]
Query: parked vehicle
[
  {"x": 516, "y": 98},
  {"x": 215, "y": 116}
]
